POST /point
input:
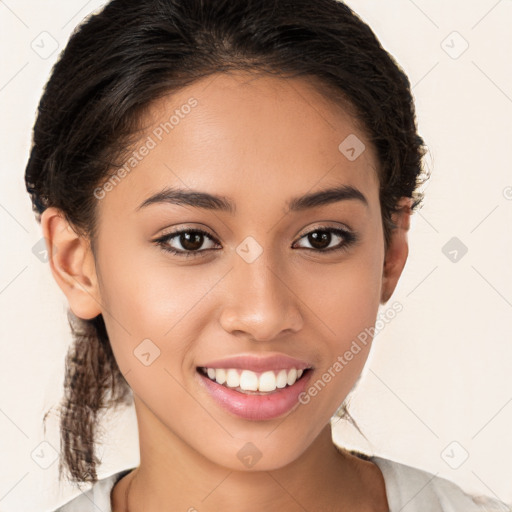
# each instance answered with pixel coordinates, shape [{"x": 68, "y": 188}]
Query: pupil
[
  {"x": 187, "y": 244},
  {"x": 318, "y": 239}
]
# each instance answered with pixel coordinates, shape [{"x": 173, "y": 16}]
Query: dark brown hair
[{"x": 120, "y": 60}]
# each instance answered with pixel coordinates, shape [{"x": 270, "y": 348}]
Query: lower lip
[{"x": 256, "y": 407}]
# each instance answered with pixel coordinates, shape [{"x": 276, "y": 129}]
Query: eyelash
[{"x": 350, "y": 239}]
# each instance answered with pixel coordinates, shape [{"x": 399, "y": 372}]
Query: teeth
[
  {"x": 282, "y": 379},
  {"x": 292, "y": 376},
  {"x": 247, "y": 380},
  {"x": 218, "y": 375},
  {"x": 232, "y": 378},
  {"x": 267, "y": 381}
]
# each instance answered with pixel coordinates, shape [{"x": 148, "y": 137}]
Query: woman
[{"x": 225, "y": 188}]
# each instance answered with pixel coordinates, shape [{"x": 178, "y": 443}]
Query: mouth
[
  {"x": 255, "y": 396},
  {"x": 254, "y": 383}
]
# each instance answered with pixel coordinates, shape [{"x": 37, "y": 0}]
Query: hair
[{"x": 123, "y": 58}]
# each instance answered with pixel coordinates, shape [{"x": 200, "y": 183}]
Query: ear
[
  {"x": 72, "y": 264},
  {"x": 398, "y": 249}
]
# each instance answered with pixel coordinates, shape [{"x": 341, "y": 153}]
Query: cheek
[
  {"x": 347, "y": 313},
  {"x": 346, "y": 304},
  {"x": 143, "y": 292},
  {"x": 156, "y": 301},
  {"x": 346, "y": 298}
]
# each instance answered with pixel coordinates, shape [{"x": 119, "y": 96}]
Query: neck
[{"x": 173, "y": 473}]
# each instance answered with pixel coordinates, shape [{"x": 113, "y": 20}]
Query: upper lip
[{"x": 259, "y": 363}]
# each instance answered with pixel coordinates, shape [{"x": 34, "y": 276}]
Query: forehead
[{"x": 254, "y": 136}]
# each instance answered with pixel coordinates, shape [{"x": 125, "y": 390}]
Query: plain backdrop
[{"x": 437, "y": 390}]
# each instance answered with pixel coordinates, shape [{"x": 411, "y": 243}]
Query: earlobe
[
  {"x": 397, "y": 251},
  {"x": 72, "y": 264}
]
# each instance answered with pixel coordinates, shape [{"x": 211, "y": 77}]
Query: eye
[
  {"x": 189, "y": 239},
  {"x": 321, "y": 239}
]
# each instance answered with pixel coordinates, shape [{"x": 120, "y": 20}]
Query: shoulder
[
  {"x": 422, "y": 491},
  {"x": 96, "y": 497}
]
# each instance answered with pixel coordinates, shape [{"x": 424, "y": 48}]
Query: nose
[{"x": 262, "y": 303}]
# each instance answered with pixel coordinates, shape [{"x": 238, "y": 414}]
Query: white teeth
[
  {"x": 282, "y": 379},
  {"x": 232, "y": 378},
  {"x": 267, "y": 381},
  {"x": 248, "y": 380},
  {"x": 219, "y": 375},
  {"x": 292, "y": 376}
]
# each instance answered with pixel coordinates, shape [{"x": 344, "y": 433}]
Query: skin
[{"x": 258, "y": 140}]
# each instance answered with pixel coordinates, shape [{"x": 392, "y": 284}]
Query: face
[{"x": 266, "y": 276}]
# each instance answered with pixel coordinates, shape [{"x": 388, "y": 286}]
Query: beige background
[{"x": 438, "y": 385}]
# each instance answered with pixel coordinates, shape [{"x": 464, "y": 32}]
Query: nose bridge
[{"x": 262, "y": 304}]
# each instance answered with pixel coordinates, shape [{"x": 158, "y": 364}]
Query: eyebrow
[{"x": 206, "y": 201}]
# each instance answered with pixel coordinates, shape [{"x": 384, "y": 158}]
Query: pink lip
[
  {"x": 255, "y": 407},
  {"x": 259, "y": 364}
]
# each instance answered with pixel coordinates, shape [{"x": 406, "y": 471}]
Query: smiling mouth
[{"x": 254, "y": 383}]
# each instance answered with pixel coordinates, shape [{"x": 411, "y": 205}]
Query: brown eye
[
  {"x": 190, "y": 240},
  {"x": 320, "y": 239}
]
